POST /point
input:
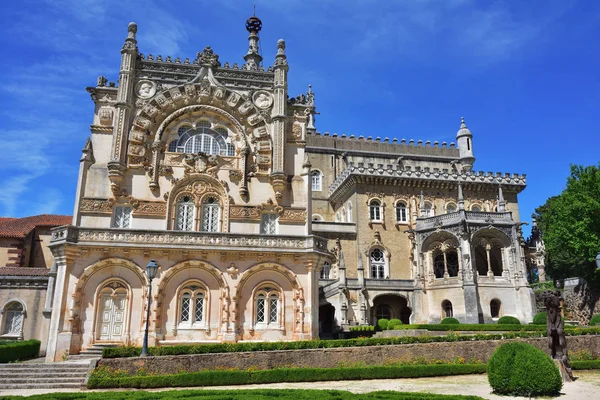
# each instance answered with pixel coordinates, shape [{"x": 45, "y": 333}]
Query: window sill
[
  {"x": 273, "y": 326},
  {"x": 186, "y": 327}
]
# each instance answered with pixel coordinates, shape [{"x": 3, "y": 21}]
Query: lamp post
[
  {"x": 597, "y": 259},
  {"x": 151, "y": 270}
]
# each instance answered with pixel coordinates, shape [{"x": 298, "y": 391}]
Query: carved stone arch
[
  {"x": 492, "y": 235},
  {"x": 198, "y": 186},
  {"x": 14, "y": 300},
  {"x": 438, "y": 239},
  {"x": 291, "y": 277},
  {"x": 95, "y": 268},
  {"x": 213, "y": 271},
  {"x": 389, "y": 293}
]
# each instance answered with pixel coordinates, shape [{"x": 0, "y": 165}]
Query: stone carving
[
  {"x": 233, "y": 271},
  {"x": 208, "y": 58},
  {"x": 244, "y": 213},
  {"x": 201, "y": 164},
  {"x": 556, "y": 333},
  {"x": 145, "y": 89},
  {"x": 105, "y": 115},
  {"x": 262, "y": 99},
  {"x": 105, "y": 206},
  {"x": 296, "y": 131}
]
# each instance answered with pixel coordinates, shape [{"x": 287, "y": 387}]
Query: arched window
[
  {"x": 445, "y": 262},
  {"x": 349, "y": 218},
  {"x": 326, "y": 270},
  {"x": 201, "y": 138},
  {"x": 267, "y": 306},
  {"x": 184, "y": 218},
  {"x": 13, "y": 318},
  {"x": 450, "y": 208},
  {"x": 343, "y": 215},
  {"x": 316, "y": 180},
  {"x": 475, "y": 207},
  {"x": 210, "y": 214},
  {"x": 401, "y": 212},
  {"x": 428, "y": 209},
  {"x": 377, "y": 263},
  {"x": 495, "y": 307},
  {"x": 375, "y": 210},
  {"x": 447, "y": 311},
  {"x": 192, "y": 306}
]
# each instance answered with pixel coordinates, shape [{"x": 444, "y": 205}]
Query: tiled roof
[
  {"x": 20, "y": 227},
  {"x": 10, "y": 271}
]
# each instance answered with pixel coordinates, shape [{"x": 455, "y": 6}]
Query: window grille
[
  {"x": 210, "y": 215},
  {"x": 122, "y": 218},
  {"x": 199, "y": 308},
  {"x": 13, "y": 319},
  {"x": 185, "y": 214},
  {"x": 185, "y": 308},
  {"x": 260, "y": 308},
  {"x": 268, "y": 224},
  {"x": 273, "y": 302}
]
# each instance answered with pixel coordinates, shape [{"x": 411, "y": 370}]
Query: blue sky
[{"x": 524, "y": 74}]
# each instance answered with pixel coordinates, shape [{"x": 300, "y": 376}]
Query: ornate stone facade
[{"x": 185, "y": 166}]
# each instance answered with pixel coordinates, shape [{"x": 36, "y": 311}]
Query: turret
[
  {"x": 464, "y": 138},
  {"x": 253, "y": 57}
]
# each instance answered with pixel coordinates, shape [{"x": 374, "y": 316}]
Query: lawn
[{"x": 260, "y": 394}]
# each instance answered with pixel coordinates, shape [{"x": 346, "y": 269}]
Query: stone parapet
[
  {"x": 185, "y": 240},
  {"x": 472, "y": 217}
]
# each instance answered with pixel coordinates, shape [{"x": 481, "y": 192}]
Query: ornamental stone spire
[
  {"x": 253, "y": 57},
  {"x": 464, "y": 138}
]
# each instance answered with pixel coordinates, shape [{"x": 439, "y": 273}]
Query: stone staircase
[
  {"x": 95, "y": 351},
  {"x": 43, "y": 375}
]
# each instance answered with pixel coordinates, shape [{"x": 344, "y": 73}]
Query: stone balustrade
[
  {"x": 185, "y": 240},
  {"x": 472, "y": 217}
]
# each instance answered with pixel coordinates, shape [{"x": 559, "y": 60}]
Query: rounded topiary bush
[
  {"x": 450, "y": 321},
  {"x": 382, "y": 324},
  {"x": 523, "y": 370},
  {"x": 508, "y": 320},
  {"x": 595, "y": 320},
  {"x": 540, "y": 318},
  {"x": 394, "y": 323}
]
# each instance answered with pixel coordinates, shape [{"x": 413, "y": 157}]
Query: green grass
[
  {"x": 240, "y": 377},
  {"x": 259, "y": 394}
]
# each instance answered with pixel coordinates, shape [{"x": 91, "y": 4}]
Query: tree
[{"x": 570, "y": 225}]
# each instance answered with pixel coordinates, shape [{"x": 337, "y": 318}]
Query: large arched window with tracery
[
  {"x": 445, "y": 263},
  {"x": 202, "y": 136},
  {"x": 13, "y": 316},
  {"x": 377, "y": 264},
  {"x": 184, "y": 214},
  {"x": 192, "y": 306},
  {"x": 267, "y": 307},
  {"x": 210, "y": 214}
]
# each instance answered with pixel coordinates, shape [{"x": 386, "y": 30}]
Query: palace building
[{"x": 262, "y": 227}]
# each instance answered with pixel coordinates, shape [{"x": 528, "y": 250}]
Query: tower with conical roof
[{"x": 464, "y": 138}]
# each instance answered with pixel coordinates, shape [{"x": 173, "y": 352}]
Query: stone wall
[
  {"x": 581, "y": 301},
  {"x": 330, "y": 358}
]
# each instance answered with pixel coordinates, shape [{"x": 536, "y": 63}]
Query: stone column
[{"x": 278, "y": 176}]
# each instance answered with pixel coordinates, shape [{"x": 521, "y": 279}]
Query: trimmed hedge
[
  {"x": 130, "y": 351},
  {"x": 222, "y": 378},
  {"x": 394, "y": 323},
  {"x": 523, "y": 370},
  {"x": 247, "y": 394},
  {"x": 595, "y": 320},
  {"x": 450, "y": 321},
  {"x": 508, "y": 320},
  {"x": 382, "y": 324},
  {"x": 585, "y": 364},
  {"x": 476, "y": 327},
  {"x": 19, "y": 350},
  {"x": 362, "y": 328},
  {"x": 541, "y": 318}
]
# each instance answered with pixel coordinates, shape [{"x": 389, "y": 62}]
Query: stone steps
[{"x": 58, "y": 375}]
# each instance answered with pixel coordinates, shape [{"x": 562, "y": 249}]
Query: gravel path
[{"x": 587, "y": 387}]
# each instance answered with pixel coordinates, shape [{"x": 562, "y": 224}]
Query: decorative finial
[{"x": 253, "y": 57}]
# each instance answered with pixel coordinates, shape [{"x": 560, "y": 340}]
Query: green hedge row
[
  {"x": 222, "y": 378},
  {"x": 119, "y": 352},
  {"x": 475, "y": 327},
  {"x": 587, "y": 364},
  {"x": 245, "y": 394},
  {"x": 19, "y": 350}
]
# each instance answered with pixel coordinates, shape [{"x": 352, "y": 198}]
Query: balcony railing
[
  {"x": 474, "y": 217},
  {"x": 180, "y": 239}
]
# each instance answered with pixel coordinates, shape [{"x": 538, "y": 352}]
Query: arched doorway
[
  {"x": 326, "y": 320},
  {"x": 390, "y": 306},
  {"x": 112, "y": 310}
]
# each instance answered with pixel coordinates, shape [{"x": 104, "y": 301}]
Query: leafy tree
[{"x": 570, "y": 224}]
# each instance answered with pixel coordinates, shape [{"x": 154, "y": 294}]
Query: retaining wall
[{"x": 330, "y": 358}]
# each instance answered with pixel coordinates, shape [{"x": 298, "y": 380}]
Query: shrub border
[
  {"x": 19, "y": 350},
  {"x": 223, "y": 378},
  {"x": 585, "y": 364},
  {"x": 121, "y": 352}
]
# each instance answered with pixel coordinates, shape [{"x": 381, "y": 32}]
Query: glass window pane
[
  {"x": 273, "y": 301},
  {"x": 122, "y": 218},
  {"x": 185, "y": 308},
  {"x": 260, "y": 309},
  {"x": 268, "y": 224},
  {"x": 199, "y": 308}
]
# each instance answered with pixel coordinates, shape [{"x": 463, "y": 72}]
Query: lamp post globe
[
  {"x": 597, "y": 259},
  {"x": 151, "y": 270}
]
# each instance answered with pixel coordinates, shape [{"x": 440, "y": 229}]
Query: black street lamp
[{"x": 151, "y": 270}]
